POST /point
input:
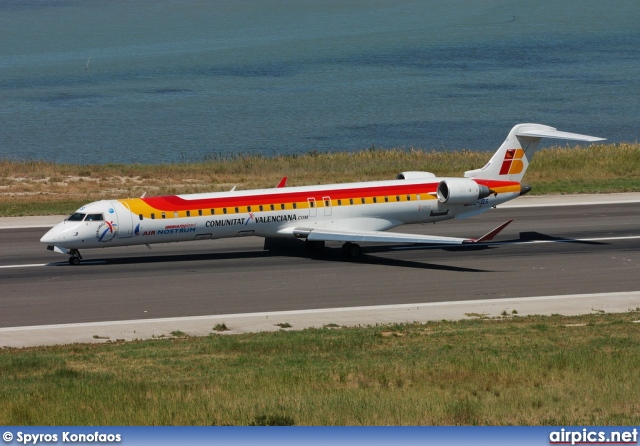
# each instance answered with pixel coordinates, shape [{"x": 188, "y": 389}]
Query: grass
[
  {"x": 505, "y": 371},
  {"x": 41, "y": 188}
]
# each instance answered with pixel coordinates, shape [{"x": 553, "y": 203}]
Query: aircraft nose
[{"x": 48, "y": 237}]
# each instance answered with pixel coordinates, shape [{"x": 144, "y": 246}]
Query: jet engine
[{"x": 461, "y": 191}]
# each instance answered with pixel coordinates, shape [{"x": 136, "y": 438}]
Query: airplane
[{"x": 350, "y": 213}]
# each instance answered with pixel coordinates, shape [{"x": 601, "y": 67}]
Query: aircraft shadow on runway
[
  {"x": 538, "y": 236},
  {"x": 297, "y": 248},
  {"x": 329, "y": 254}
]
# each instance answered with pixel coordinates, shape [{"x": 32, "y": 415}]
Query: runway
[{"x": 546, "y": 251}]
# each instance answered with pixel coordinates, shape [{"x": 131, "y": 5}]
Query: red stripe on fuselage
[{"x": 175, "y": 203}]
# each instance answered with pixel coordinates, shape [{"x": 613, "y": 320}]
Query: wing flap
[
  {"x": 337, "y": 235},
  {"x": 332, "y": 235}
]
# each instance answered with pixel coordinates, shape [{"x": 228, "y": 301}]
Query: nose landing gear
[{"x": 75, "y": 257}]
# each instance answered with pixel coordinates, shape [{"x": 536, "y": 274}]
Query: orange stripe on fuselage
[{"x": 500, "y": 186}]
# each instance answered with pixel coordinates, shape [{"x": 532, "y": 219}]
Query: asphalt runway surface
[{"x": 545, "y": 251}]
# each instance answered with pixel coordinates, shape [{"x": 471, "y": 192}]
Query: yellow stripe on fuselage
[{"x": 141, "y": 208}]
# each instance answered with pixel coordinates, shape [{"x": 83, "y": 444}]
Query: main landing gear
[
  {"x": 75, "y": 257},
  {"x": 351, "y": 250}
]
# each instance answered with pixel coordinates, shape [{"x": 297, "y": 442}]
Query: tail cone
[{"x": 524, "y": 189}]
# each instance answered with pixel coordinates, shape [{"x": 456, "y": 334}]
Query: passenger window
[
  {"x": 386, "y": 199},
  {"x": 260, "y": 208},
  {"x": 163, "y": 215},
  {"x": 153, "y": 216},
  {"x": 326, "y": 203},
  {"x": 237, "y": 210},
  {"x": 188, "y": 213},
  {"x": 375, "y": 199},
  {"x": 140, "y": 216},
  {"x": 248, "y": 208},
  {"x": 339, "y": 202},
  {"x": 350, "y": 200},
  {"x": 295, "y": 205},
  {"x": 397, "y": 197},
  {"x": 408, "y": 197},
  {"x": 224, "y": 210},
  {"x": 362, "y": 199},
  {"x": 199, "y": 211},
  {"x": 213, "y": 211},
  {"x": 282, "y": 206}
]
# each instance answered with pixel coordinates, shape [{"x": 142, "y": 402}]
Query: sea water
[{"x": 93, "y": 81}]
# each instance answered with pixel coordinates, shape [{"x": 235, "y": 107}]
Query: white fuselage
[{"x": 369, "y": 206}]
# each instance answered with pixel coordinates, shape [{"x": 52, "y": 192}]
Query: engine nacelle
[
  {"x": 461, "y": 191},
  {"x": 414, "y": 175}
]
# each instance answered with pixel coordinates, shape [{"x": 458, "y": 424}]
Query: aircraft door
[
  {"x": 327, "y": 205},
  {"x": 124, "y": 219},
  {"x": 313, "y": 211}
]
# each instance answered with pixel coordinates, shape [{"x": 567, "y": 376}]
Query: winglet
[
  {"x": 282, "y": 182},
  {"x": 489, "y": 235}
]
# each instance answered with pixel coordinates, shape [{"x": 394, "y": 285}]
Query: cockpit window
[
  {"x": 79, "y": 216},
  {"x": 94, "y": 217}
]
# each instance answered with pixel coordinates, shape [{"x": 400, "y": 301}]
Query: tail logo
[{"x": 512, "y": 163}]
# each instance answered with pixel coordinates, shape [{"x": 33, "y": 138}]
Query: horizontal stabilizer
[{"x": 553, "y": 133}]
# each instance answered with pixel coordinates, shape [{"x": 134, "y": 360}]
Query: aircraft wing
[{"x": 337, "y": 235}]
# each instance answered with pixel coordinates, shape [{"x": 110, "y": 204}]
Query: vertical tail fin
[{"x": 511, "y": 160}]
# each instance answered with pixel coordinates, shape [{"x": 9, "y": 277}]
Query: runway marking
[
  {"x": 521, "y": 242},
  {"x": 595, "y": 239},
  {"x": 397, "y": 248}
]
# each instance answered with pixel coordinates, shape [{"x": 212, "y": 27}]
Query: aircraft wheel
[
  {"x": 351, "y": 250},
  {"x": 73, "y": 260}
]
